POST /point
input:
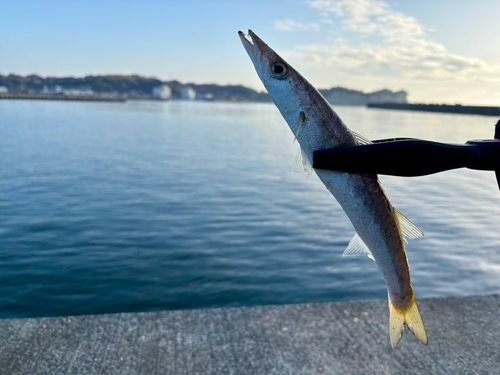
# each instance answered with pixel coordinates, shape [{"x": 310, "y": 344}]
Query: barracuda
[{"x": 381, "y": 230}]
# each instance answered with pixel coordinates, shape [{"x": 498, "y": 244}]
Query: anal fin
[{"x": 356, "y": 248}]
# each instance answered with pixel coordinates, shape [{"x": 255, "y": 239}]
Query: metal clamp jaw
[{"x": 409, "y": 157}]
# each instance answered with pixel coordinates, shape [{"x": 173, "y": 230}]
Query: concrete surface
[{"x": 329, "y": 338}]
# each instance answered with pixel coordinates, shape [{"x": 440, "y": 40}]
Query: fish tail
[{"x": 405, "y": 314}]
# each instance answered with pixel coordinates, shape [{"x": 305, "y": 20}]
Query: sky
[{"x": 439, "y": 51}]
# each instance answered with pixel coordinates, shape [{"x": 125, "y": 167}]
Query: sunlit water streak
[{"x": 109, "y": 207}]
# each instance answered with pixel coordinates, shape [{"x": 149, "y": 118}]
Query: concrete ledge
[{"x": 330, "y": 338}]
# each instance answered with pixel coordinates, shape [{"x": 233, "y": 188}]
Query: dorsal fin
[
  {"x": 409, "y": 230},
  {"x": 361, "y": 140}
]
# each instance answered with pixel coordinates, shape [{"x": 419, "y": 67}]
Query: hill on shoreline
[{"x": 134, "y": 86}]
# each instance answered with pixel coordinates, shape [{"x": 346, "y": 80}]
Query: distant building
[
  {"x": 78, "y": 92},
  {"x": 163, "y": 92},
  {"x": 56, "y": 90},
  {"x": 207, "y": 96},
  {"x": 3, "y": 90},
  {"x": 111, "y": 95},
  {"x": 188, "y": 94}
]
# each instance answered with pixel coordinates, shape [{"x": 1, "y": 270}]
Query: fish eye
[{"x": 278, "y": 70}]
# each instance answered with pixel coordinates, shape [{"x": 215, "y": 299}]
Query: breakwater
[
  {"x": 442, "y": 108},
  {"x": 326, "y": 338},
  {"x": 59, "y": 97}
]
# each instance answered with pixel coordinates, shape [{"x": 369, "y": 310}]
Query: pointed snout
[
  {"x": 246, "y": 43},
  {"x": 250, "y": 47},
  {"x": 257, "y": 49}
]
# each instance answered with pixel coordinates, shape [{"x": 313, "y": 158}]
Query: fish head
[
  {"x": 297, "y": 100},
  {"x": 284, "y": 84}
]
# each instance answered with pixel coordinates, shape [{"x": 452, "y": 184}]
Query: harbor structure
[
  {"x": 442, "y": 108},
  {"x": 92, "y": 98}
]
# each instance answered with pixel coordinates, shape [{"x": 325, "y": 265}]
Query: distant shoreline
[
  {"x": 137, "y": 87},
  {"x": 436, "y": 108}
]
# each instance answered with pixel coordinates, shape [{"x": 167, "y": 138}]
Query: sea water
[{"x": 140, "y": 206}]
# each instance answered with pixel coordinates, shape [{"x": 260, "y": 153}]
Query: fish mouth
[
  {"x": 246, "y": 43},
  {"x": 249, "y": 46},
  {"x": 255, "y": 48}
]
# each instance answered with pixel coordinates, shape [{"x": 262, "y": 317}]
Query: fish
[{"x": 381, "y": 230}]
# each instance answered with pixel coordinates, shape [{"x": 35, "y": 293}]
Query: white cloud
[
  {"x": 290, "y": 25},
  {"x": 403, "y": 50},
  {"x": 370, "y": 16}
]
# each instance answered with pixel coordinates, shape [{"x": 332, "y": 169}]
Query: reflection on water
[{"x": 108, "y": 207}]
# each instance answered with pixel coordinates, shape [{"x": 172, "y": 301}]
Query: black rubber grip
[{"x": 409, "y": 157}]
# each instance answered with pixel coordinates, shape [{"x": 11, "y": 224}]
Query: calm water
[{"x": 111, "y": 207}]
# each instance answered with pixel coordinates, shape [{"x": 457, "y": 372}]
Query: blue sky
[{"x": 439, "y": 51}]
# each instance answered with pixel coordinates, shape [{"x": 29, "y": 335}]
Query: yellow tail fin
[{"x": 405, "y": 314}]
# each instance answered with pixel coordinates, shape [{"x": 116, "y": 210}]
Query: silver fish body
[{"x": 379, "y": 226}]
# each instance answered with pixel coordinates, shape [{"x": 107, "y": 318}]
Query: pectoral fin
[
  {"x": 302, "y": 164},
  {"x": 357, "y": 248}
]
